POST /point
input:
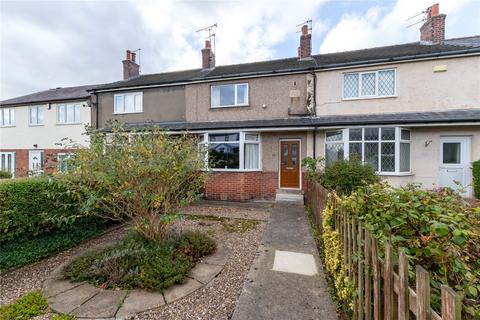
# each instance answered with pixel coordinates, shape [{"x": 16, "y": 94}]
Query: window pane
[
  {"x": 371, "y": 134},
  {"x": 355, "y": 151},
  {"x": 388, "y": 133},
  {"x": 334, "y": 136},
  {"x": 368, "y": 84},
  {"x": 138, "y": 102},
  {"x": 242, "y": 94},
  {"x": 215, "y": 96},
  {"x": 119, "y": 104},
  {"x": 33, "y": 115},
  {"x": 371, "y": 154},
  {"x": 2, "y": 164},
  {"x": 285, "y": 154},
  {"x": 61, "y": 113},
  {"x": 12, "y": 117},
  {"x": 227, "y": 95},
  {"x": 77, "y": 113},
  {"x": 355, "y": 134},
  {"x": 452, "y": 152},
  {"x": 251, "y": 137},
  {"x": 251, "y": 156},
  {"x": 224, "y": 137},
  {"x": 6, "y": 117},
  {"x": 405, "y": 134},
  {"x": 294, "y": 155},
  {"x": 388, "y": 156},
  {"x": 333, "y": 153},
  {"x": 386, "y": 83},
  {"x": 39, "y": 115},
  {"x": 129, "y": 103},
  {"x": 70, "y": 113},
  {"x": 1, "y": 117},
  {"x": 404, "y": 157},
  {"x": 224, "y": 155},
  {"x": 350, "y": 85}
]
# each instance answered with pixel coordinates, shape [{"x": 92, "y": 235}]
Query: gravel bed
[
  {"x": 17, "y": 282},
  {"x": 249, "y": 211}
]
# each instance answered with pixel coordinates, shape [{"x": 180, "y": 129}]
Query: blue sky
[{"x": 47, "y": 44}]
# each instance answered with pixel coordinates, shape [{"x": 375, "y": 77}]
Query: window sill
[
  {"x": 9, "y": 126},
  {"x": 35, "y": 125},
  {"x": 231, "y": 106},
  {"x": 69, "y": 124},
  {"x": 128, "y": 112},
  {"x": 369, "y": 98},
  {"x": 395, "y": 174}
]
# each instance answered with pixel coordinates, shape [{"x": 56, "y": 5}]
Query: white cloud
[{"x": 377, "y": 27}]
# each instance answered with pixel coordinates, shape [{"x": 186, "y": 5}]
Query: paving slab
[
  {"x": 179, "y": 291},
  {"x": 219, "y": 257},
  {"x": 294, "y": 262},
  {"x": 138, "y": 301},
  {"x": 103, "y": 305},
  {"x": 73, "y": 298},
  {"x": 204, "y": 272},
  {"x": 269, "y": 294},
  {"x": 53, "y": 286}
]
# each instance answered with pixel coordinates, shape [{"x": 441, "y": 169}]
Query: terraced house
[{"x": 412, "y": 111}]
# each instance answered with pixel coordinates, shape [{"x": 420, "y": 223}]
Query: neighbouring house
[
  {"x": 412, "y": 111},
  {"x": 32, "y": 126}
]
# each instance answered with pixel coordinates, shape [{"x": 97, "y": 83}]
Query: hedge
[
  {"x": 28, "y": 206},
  {"x": 476, "y": 178}
]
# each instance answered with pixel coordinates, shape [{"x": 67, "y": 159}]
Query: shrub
[
  {"x": 140, "y": 263},
  {"x": 476, "y": 178},
  {"x": 436, "y": 229},
  {"x": 28, "y": 306},
  {"x": 343, "y": 176},
  {"x": 34, "y": 206},
  {"x": 143, "y": 176},
  {"x": 5, "y": 174}
]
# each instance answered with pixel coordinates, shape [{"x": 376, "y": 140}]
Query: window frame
[
  {"x": 241, "y": 141},
  {"x": 11, "y": 117},
  {"x": 375, "y": 96},
  {"x": 75, "y": 121},
  {"x": 67, "y": 156},
  {"x": 398, "y": 140},
  {"x": 37, "y": 108},
  {"x": 13, "y": 155},
  {"x": 235, "y": 96},
  {"x": 124, "y": 95}
]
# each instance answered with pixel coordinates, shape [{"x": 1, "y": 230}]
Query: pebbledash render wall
[{"x": 261, "y": 184}]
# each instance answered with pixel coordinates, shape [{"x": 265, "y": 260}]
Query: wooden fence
[{"x": 383, "y": 291}]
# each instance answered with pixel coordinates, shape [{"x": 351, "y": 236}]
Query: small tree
[{"x": 141, "y": 176}]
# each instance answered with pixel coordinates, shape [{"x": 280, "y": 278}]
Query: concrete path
[{"x": 286, "y": 280}]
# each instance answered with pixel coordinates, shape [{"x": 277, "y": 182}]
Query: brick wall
[
  {"x": 21, "y": 160},
  {"x": 243, "y": 186}
]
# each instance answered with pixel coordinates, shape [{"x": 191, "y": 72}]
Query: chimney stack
[
  {"x": 305, "y": 48},
  {"x": 208, "y": 57},
  {"x": 130, "y": 68},
  {"x": 433, "y": 30}
]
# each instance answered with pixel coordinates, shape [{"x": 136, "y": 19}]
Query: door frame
[
  {"x": 465, "y": 155},
  {"x": 43, "y": 164},
  {"x": 299, "y": 164}
]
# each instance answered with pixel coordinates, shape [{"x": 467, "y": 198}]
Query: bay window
[
  {"x": 369, "y": 84},
  {"x": 386, "y": 149},
  {"x": 229, "y": 95},
  {"x": 232, "y": 151}
]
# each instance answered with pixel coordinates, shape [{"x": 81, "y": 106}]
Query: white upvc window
[
  {"x": 386, "y": 149},
  {"x": 62, "y": 162},
  {"x": 35, "y": 115},
  {"x": 232, "y": 151},
  {"x": 369, "y": 84},
  {"x": 7, "y": 117},
  {"x": 68, "y": 113},
  {"x": 128, "y": 103},
  {"x": 7, "y": 162},
  {"x": 229, "y": 95}
]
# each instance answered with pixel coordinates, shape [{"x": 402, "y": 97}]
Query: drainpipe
[{"x": 96, "y": 110}]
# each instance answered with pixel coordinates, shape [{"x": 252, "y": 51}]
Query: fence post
[
  {"x": 345, "y": 240},
  {"x": 355, "y": 273},
  {"x": 423, "y": 294},
  {"x": 350, "y": 240},
  {"x": 360, "y": 272},
  {"x": 368, "y": 280},
  {"x": 403, "y": 294},
  {"x": 388, "y": 283},
  {"x": 376, "y": 281},
  {"x": 451, "y": 304}
]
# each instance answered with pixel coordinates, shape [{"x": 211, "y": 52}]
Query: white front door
[
  {"x": 35, "y": 162},
  {"x": 455, "y": 163}
]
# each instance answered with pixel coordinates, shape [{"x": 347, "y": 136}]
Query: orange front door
[{"x": 290, "y": 164}]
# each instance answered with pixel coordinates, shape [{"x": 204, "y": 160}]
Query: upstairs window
[
  {"x": 369, "y": 84},
  {"x": 7, "y": 117},
  {"x": 35, "y": 115},
  {"x": 128, "y": 103},
  {"x": 229, "y": 95},
  {"x": 68, "y": 113}
]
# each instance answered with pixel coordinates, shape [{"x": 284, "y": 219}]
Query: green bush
[
  {"x": 5, "y": 174},
  {"x": 140, "y": 263},
  {"x": 343, "y": 176},
  {"x": 34, "y": 206},
  {"x": 476, "y": 178},
  {"x": 26, "y": 249},
  {"x": 436, "y": 229},
  {"x": 28, "y": 306}
]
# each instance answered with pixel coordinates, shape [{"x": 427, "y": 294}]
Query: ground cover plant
[
  {"x": 476, "y": 178},
  {"x": 137, "y": 262}
]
